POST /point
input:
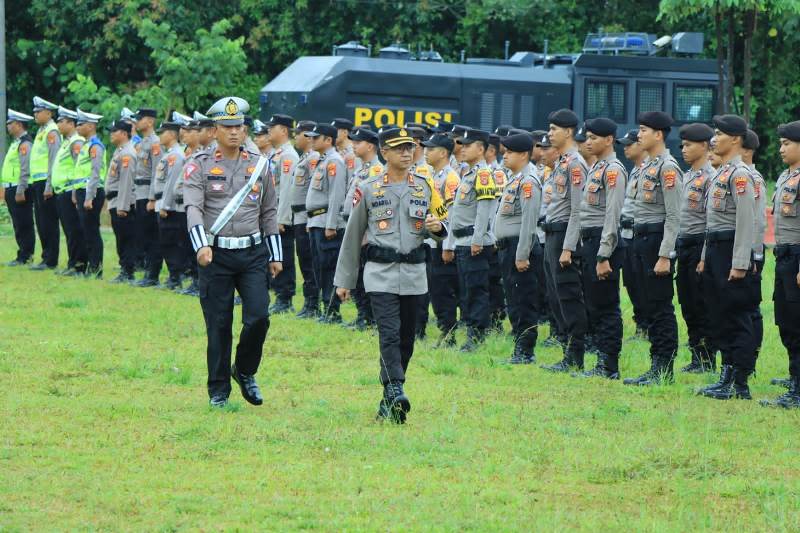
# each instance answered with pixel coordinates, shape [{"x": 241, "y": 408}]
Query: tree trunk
[
  {"x": 729, "y": 60},
  {"x": 747, "y": 77},
  {"x": 722, "y": 94}
]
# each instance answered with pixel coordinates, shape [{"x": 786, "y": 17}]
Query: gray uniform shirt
[
  {"x": 148, "y": 153},
  {"x": 285, "y": 158},
  {"x": 210, "y": 183},
  {"x": 299, "y": 186},
  {"x": 694, "y": 188},
  {"x": 53, "y": 144},
  {"x": 784, "y": 208},
  {"x": 628, "y": 205},
  {"x": 120, "y": 178},
  {"x": 602, "y": 201},
  {"x": 327, "y": 190},
  {"x": 97, "y": 152},
  {"x": 568, "y": 180},
  {"x": 658, "y": 199},
  {"x": 367, "y": 170},
  {"x": 760, "y": 191},
  {"x": 730, "y": 205},
  {"x": 168, "y": 174},
  {"x": 518, "y": 212},
  {"x": 391, "y": 215},
  {"x": 474, "y": 206}
]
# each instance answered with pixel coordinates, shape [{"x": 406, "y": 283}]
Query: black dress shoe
[
  {"x": 397, "y": 402},
  {"x": 218, "y": 401},
  {"x": 359, "y": 324},
  {"x": 333, "y": 317},
  {"x": 248, "y": 386},
  {"x": 788, "y": 400},
  {"x": 600, "y": 371}
]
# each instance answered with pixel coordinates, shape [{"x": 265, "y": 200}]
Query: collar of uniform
[
  {"x": 573, "y": 150},
  {"x": 286, "y": 146},
  {"x": 21, "y": 135},
  {"x": 735, "y": 160},
  {"x": 94, "y": 139},
  {"x": 329, "y": 151},
  {"x": 126, "y": 145}
]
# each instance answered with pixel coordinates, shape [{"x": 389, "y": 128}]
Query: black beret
[
  {"x": 696, "y": 132},
  {"x": 751, "y": 141},
  {"x": 391, "y": 137},
  {"x": 580, "y": 135},
  {"x": 120, "y": 125},
  {"x": 458, "y": 130},
  {"x": 417, "y": 132},
  {"x": 439, "y": 140},
  {"x": 145, "y": 112},
  {"x": 544, "y": 141},
  {"x": 248, "y": 121},
  {"x": 342, "y": 124},
  {"x": 515, "y": 131},
  {"x": 171, "y": 126},
  {"x": 658, "y": 120},
  {"x": 328, "y": 130},
  {"x": 601, "y": 126},
  {"x": 537, "y": 134},
  {"x": 503, "y": 131},
  {"x": 472, "y": 135},
  {"x": 444, "y": 126},
  {"x": 632, "y": 137},
  {"x": 521, "y": 142},
  {"x": 363, "y": 134},
  {"x": 790, "y": 131},
  {"x": 494, "y": 140},
  {"x": 281, "y": 120},
  {"x": 733, "y": 125},
  {"x": 563, "y": 118}
]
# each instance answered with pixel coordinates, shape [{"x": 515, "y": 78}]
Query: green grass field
[{"x": 105, "y": 427}]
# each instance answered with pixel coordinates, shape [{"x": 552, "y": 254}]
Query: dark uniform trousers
[
  {"x": 246, "y": 271},
  {"x": 631, "y": 277},
  {"x": 395, "y": 317},
  {"x": 519, "y": 287},
  {"x": 22, "y": 221},
  {"x": 734, "y": 302},
  {"x": 497, "y": 300},
  {"x": 45, "y": 213},
  {"x": 758, "y": 319},
  {"x": 564, "y": 286},
  {"x": 284, "y": 283},
  {"x": 90, "y": 223},
  {"x": 691, "y": 297},
  {"x": 657, "y": 293},
  {"x": 787, "y": 302},
  {"x": 424, "y": 300},
  {"x": 359, "y": 294},
  {"x": 302, "y": 241},
  {"x": 71, "y": 224},
  {"x": 173, "y": 242},
  {"x": 444, "y": 291},
  {"x": 150, "y": 251},
  {"x": 602, "y": 297},
  {"x": 125, "y": 235},
  {"x": 473, "y": 278},
  {"x": 540, "y": 294},
  {"x": 325, "y": 253}
]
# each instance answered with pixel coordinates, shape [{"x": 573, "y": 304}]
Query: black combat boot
[
  {"x": 788, "y": 400},
  {"x": 646, "y": 377},
  {"x": 725, "y": 380},
  {"x": 446, "y": 340},
  {"x": 521, "y": 355},
  {"x": 607, "y": 367},
  {"x": 737, "y": 388},
  {"x": 474, "y": 339},
  {"x": 662, "y": 373},
  {"x": 781, "y": 382},
  {"x": 396, "y": 402},
  {"x": 123, "y": 277},
  {"x": 309, "y": 310}
]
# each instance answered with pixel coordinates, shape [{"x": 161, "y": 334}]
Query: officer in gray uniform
[
  {"x": 562, "y": 232},
  {"x": 284, "y": 158},
  {"x": 515, "y": 229},
  {"x": 601, "y": 249},
  {"x": 171, "y": 221},
  {"x": 122, "y": 198},
  {"x": 749, "y": 147},
  {"x": 695, "y": 141},
  {"x": 470, "y": 239},
  {"x": 15, "y": 179},
  {"x": 326, "y": 193},
  {"x": 392, "y": 210},
  {"x": 727, "y": 262},
  {"x": 89, "y": 195},
  {"x": 231, "y": 213},
  {"x": 148, "y": 153},
  {"x": 657, "y": 214},
  {"x": 786, "y": 210}
]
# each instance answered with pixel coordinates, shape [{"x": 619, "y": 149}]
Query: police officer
[
  {"x": 89, "y": 193},
  {"x": 234, "y": 236},
  {"x": 727, "y": 262},
  {"x": 171, "y": 220},
  {"x": 365, "y": 148},
  {"x": 261, "y": 138},
  {"x": 15, "y": 180},
  {"x": 284, "y": 160},
  {"x": 562, "y": 232},
  {"x": 43, "y": 155},
  {"x": 207, "y": 136},
  {"x": 192, "y": 136},
  {"x": 497, "y": 302},
  {"x": 148, "y": 154},
  {"x": 63, "y": 181},
  {"x": 121, "y": 197},
  {"x": 657, "y": 216},
  {"x": 129, "y": 116},
  {"x": 749, "y": 147},
  {"x": 580, "y": 140},
  {"x": 786, "y": 210},
  {"x": 470, "y": 239},
  {"x": 443, "y": 281},
  {"x": 392, "y": 211},
  {"x": 326, "y": 193},
  {"x": 695, "y": 139},
  {"x": 515, "y": 229},
  {"x": 345, "y": 146},
  {"x": 601, "y": 249},
  {"x": 298, "y": 191}
]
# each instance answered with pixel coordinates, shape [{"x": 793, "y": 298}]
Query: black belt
[
  {"x": 690, "y": 239},
  {"x": 110, "y": 195},
  {"x": 720, "y": 236},
  {"x": 379, "y": 254},
  {"x": 317, "y": 212},
  {"x": 626, "y": 223},
  {"x": 647, "y": 229},
  {"x": 589, "y": 233},
  {"x": 141, "y": 181},
  {"x": 299, "y": 208},
  {"x": 464, "y": 232},
  {"x": 159, "y": 195},
  {"x": 506, "y": 242},
  {"x": 552, "y": 227},
  {"x": 786, "y": 250}
]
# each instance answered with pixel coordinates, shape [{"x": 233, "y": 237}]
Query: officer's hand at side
[
  {"x": 736, "y": 274},
  {"x": 151, "y": 205},
  {"x": 275, "y": 268},
  {"x": 604, "y": 269},
  {"x": 342, "y": 293},
  {"x": 475, "y": 249},
  {"x": 122, "y": 214},
  {"x": 701, "y": 266},
  {"x": 522, "y": 266},
  {"x": 433, "y": 224},
  {"x": 798, "y": 279},
  {"x": 48, "y": 195},
  {"x": 19, "y": 198},
  {"x": 662, "y": 266},
  {"x": 204, "y": 256},
  {"x": 566, "y": 258},
  {"x": 87, "y": 205},
  {"x": 448, "y": 256},
  {"x": 162, "y": 213},
  {"x": 281, "y": 228},
  {"x": 74, "y": 201},
  {"x": 330, "y": 234}
]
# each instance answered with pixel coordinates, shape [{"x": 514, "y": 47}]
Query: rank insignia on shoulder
[
  {"x": 611, "y": 178},
  {"x": 577, "y": 176},
  {"x": 741, "y": 184},
  {"x": 669, "y": 179},
  {"x": 331, "y": 170},
  {"x": 527, "y": 190}
]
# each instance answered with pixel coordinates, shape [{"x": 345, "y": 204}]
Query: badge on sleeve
[
  {"x": 188, "y": 170},
  {"x": 52, "y": 137},
  {"x": 669, "y": 179},
  {"x": 332, "y": 170},
  {"x": 527, "y": 190},
  {"x": 126, "y": 160},
  {"x": 171, "y": 159},
  {"x": 577, "y": 176},
  {"x": 155, "y": 149},
  {"x": 93, "y": 152},
  {"x": 741, "y": 184},
  {"x": 313, "y": 164},
  {"x": 611, "y": 178},
  {"x": 23, "y": 149},
  {"x": 357, "y": 196},
  {"x": 287, "y": 166},
  {"x": 351, "y": 163}
]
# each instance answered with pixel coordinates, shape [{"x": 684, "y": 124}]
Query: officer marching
[
  {"x": 231, "y": 213},
  {"x": 15, "y": 178},
  {"x": 89, "y": 192},
  {"x": 392, "y": 210}
]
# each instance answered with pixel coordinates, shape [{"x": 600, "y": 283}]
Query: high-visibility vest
[
  {"x": 11, "y": 168},
  {"x": 40, "y": 153},
  {"x": 63, "y": 178},
  {"x": 83, "y": 167}
]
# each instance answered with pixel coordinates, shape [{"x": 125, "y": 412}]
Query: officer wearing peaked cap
[
  {"x": 207, "y": 131},
  {"x": 172, "y": 234},
  {"x": 345, "y": 146},
  {"x": 15, "y": 180},
  {"x": 43, "y": 156},
  {"x": 89, "y": 191},
  {"x": 121, "y": 198},
  {"x": 129, "y": 116},
  {"x": 148, "y": 154},
  {"x": 231, "y": 215},
  {"x": 392, "y": 211}
]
